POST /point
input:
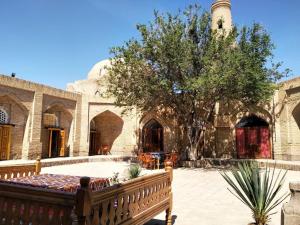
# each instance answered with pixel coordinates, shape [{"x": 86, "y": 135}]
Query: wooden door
[
  {"x": 240, "y": 143},
  {"x": 253, "y": 142},
  {"x": 5, "y": 135},
  {"x": 56, "y": 142},
  {"x": 62, "y": 144},
  {"x": 265, "y": 146}
]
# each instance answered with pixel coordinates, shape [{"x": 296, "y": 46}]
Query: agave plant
[
  {"x": 134, "y": 171},
  {"x": 257, "y": 188}
]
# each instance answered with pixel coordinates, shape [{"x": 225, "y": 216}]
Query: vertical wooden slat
[
  {"x": 112, "y": 212},
  {"x": 1, "y": 208},
  {"x": 104, "y": 216},
  {"x": 9, "y": 212},
  {"x": 125, "y": 209},
  {"x": 35, "y": 213},
  {"x": 55, "y": 220},
  {"x": 119, "y": 209},
  {"x": 95, "y": 219},
  {"x": 50, "y": 143},
  {"x": 62, "y": 137},
  {"x": 46, "y": 214},
  {"x": 26, "y": 214}
]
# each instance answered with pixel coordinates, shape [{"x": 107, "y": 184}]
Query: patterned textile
[{"x": 58, "y": 182}]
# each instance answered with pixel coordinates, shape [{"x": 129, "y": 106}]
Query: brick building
[{"x": 38, "y": 120}]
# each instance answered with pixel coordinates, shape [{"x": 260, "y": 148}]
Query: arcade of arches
[{"x": 41, "y": 121}]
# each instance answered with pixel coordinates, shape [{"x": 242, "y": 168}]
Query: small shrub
[
  {"x": 114, "y": 179},
  {"x": 258, "y": 189},
  {"x": 134, "y": 171}
]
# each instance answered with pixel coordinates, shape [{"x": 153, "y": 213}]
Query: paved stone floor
[{"x": 200, "y": 196}]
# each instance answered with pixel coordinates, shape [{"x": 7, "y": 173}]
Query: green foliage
[
  {"x": 134, "y": 171},
  {"x": 179, "y": 63},
  {"x": 257, "y": 189},
  {"x": 114, "y": 179}
]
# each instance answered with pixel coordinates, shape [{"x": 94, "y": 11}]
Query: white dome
[{"x": 99, "y": 69}]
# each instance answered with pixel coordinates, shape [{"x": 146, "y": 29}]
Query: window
[
  {"x": 220, "y": 24},
  {"x": 3, "y": 116}
]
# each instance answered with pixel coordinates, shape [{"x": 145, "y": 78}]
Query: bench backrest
[{"x": 22, "y": 170}]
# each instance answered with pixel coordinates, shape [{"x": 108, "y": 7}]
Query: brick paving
[{"x": 200, "y": 196}]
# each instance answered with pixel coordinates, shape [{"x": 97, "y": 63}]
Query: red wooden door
[
  {"x": 252, "y": 136},
  {"x": 240, "y": 143},
  {"x": 253, "y": 142},
  {"x": 265, "y": 148}
]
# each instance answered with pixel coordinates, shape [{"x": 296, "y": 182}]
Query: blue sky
[{"x": 57, "y": 41}]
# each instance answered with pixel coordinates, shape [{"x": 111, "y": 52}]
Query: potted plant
[
  {"x": 257, "y": 188},
  {"x": 134, "y": 171}
]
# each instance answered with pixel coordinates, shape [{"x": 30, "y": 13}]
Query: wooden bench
[
  {"x": 134, "y": 202},
  {"x": 12, "y": 171}
]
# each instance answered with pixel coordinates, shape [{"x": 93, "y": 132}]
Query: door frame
[
  {"x": 9, "y": 126},
  {"x": 92, "y": 142},
  {"x": 50, "y": 140}
]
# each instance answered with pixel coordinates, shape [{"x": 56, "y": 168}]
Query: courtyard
[
  {"x": 200, "y": 196},
  {"x": 198, "y": 83}
]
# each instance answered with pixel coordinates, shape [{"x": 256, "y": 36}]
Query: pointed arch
[
  {"x": 14, "y": 99},
  {"x": 105, "y": 128},
  {"x": 57, "y": 138},
  {"x": 153, "y": 136},
  {"x": 14, "y": 119},
  {"x": 252, "y": 121}
]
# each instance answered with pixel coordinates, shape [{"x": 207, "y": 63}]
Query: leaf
[{"x": 257, "y": 189}]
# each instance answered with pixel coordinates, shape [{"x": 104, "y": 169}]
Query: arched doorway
[
  {"x": 57, "y": 128},
  {"x": 104, "y": 130},
  {"x": 152, "y": 137},
  {"x": 253, "y": 138},
  {"x": 5, "y": 135},
  {"x": 13, "y": 120}
]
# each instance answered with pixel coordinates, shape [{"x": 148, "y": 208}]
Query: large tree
[{"x": 183, "y": 66}]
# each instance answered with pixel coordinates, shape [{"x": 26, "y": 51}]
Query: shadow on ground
[{"x": 160, "y": 222}]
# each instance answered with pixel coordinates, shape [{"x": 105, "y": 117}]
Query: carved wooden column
[
  {"x": 290, "y": 213},
  {"x": 83, "y": 202},
  {"x": 169, "y": 169},
  {"x": 38, "y": 166}
]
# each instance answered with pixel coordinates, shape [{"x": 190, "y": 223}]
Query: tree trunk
[{"x": 193, "y": 153}]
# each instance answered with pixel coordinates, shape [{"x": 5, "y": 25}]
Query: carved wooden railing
[
  {"x": 13, "y": 171},
  {"x": 134, "y": 202},
  {"x": 22, "y": 205}
]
